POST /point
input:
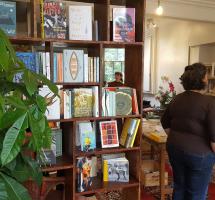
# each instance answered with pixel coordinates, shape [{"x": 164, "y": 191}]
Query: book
[
  {"x": 67, "y": 104},
  {"x": 73, "y": 65},
  {"x": 109, "y": 134},
  {"x": 116, "y": 170},
  {"x": 86, "y": 68},
  {"x": 124, "y": 24},
  {"x": 46, "y": 157},
  {"x": 95, "y": 101},
  {"x": 129, "y": 132},
  {"x": 29, "y": 59},
  {"x": 87, "y": 136},
  {"x": 8, "y": 17},
  {"x": 80, "y": 22},
  {"x": 54, "y": 23},
  {"x": 82, "y": 102},
  {"x": 135, "y": 109},
  {"x": 53, "y": 110},
  {"x": 84, "y": 173},
  {"x": 57, "y": 141},
  {"x": 124, "y": 101}
]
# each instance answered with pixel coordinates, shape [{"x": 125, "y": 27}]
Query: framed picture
[{"x": 109, "y": 134}]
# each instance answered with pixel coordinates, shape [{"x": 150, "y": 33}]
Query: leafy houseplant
[
  {"x": 21, "y": 109},
  {"x": 166, "y": 92}
]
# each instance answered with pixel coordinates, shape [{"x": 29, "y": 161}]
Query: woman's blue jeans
[{"x": 191, "y": 173}]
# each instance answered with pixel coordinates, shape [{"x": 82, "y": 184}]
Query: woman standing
[{"x": 189, "y": 123}]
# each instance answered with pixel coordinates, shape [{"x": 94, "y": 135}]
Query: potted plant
[{"x": 21, "y": 109}]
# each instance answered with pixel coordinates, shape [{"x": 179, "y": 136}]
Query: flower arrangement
[{"x": 166, "y": 92}]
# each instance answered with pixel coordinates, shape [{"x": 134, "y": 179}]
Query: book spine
[
  {"x": 44, "y": 63},
  {"x": 97, "y": 69},
  {"x": 48, "y": 70},
  {"x": 94, "y": 69},
  {"x": 135, "y": 108},
  {"x": 103, "y": 102},
  {"x": 42, "y": 18},
  {"x": 86, "y": 68},
  {"x": 105, "y": 170},
  {"x": 96, "y": 102},
  {"x": 55, "y": 68},
  {"x": 60, "y": 67}
]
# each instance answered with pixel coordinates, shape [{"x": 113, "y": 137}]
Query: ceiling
[{"x": 202, "y": 3}]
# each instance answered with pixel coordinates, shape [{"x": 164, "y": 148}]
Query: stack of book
[
  {"x": 80, "y": 102},
  {"x": 115, "y": 168},
  {"x": 119, "y": 101}
]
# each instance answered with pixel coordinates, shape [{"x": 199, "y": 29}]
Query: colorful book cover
[
  {"x": 109, "y": 134},
  {"x": 87, "y": 136},
  {"x": 124, "y": 101},
  {"x": 8, "y": 17},
  {"x": 84, "y": 178},
  {"x": 82, "y": 102},
  {"x": 116, "y": 170},
  {"x": 129, "y": 132},
  {"x": 124, "y": 24},
  {"x": 73, "y": 65},
  {"x": 80, "y": 22},
  {"x": 29, "y": 59},
  {"x": 54, "y": 22}
]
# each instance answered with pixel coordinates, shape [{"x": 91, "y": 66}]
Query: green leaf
[
  {"x": 4, "y": 56},
  {"x": 3, "y": 191},
  {"x": 13, "y": 140},
  {"x": 16, "y": 102},
  {"x": 10, "y": 117},
  {"x": 30, "y": 82},
  {"x": 41, "y": 103},
  {"x": 34, "y": 169},
  {"x": 47, "y": 82},
  {"x": 14, "y": 189}
]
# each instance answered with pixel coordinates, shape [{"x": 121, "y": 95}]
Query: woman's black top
[{"x": 191, "y": 119}]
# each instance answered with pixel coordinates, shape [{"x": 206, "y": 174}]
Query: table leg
[{"x": 162, "y": 172}]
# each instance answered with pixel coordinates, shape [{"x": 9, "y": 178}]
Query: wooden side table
[{"x": 161, "y": 148}]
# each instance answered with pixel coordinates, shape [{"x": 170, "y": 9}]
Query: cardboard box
[{"x": 150, "y": 175}]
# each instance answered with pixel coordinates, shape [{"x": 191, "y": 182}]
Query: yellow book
[
  {"x": 135, "y": 132},
  {"x": 105, "y": 170},
  {"x": 124, "y": 133}
]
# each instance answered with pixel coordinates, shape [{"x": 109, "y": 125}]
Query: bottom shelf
[{"x": 99, "y": 186}]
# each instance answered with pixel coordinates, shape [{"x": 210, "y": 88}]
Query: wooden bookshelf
[{"x": 30, "y": 36}]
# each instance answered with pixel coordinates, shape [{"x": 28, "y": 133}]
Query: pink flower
[{"x": 171, "y": 87}]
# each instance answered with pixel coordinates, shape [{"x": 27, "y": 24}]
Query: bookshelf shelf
[
  {"x": 100, "y": 151},
  {"x": 62, "y": 163},
  {"x": 78, "y": 84},
  {"x": 99, "y": 186},
  {"x": 94, "y": 118}
]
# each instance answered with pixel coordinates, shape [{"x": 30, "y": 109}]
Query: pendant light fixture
[{"x": 159, "y": 10}]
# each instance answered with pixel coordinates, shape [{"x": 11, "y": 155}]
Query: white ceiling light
[{"x": 159, "y": 10}]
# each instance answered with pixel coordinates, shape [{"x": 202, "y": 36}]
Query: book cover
[
  {"x": 46, "y": 157},
  {"x": 109, "y": 134},
  {"x": 86, "y": 68},
  {"x": 67, "y": 104},
  {"x": 124, "y": 24},
  {"x": 82, "y": 102},
  {"x": 56, "y": 145},
  {"x": 124, "y": 101},
  {"x": 95, "y": 101},
  {"x": 135, "y": 109},
  {"x": 53, "y": 110},
  {"x": 84, "y": 179},
  {"x": 29, "y": 59},
  {"x": 73, "y": 65},
  {"x": 87, "y": 136},
  {"x": 80, "y": 22},
  {"x": 54, "y": 22},
  {"x": 129, "y": 132},
  {"x": 116, "y": 170},
  {"x": 8, "y": 17}
]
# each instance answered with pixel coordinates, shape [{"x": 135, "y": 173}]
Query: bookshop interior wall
[{"x": 174, "y": 35}]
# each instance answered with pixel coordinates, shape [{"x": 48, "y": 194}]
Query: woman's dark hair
[{"x": 192, "y": 78}]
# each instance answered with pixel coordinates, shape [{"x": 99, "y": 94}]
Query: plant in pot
[{"x": 22, "y": 109}]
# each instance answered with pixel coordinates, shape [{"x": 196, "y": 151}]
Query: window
[{"x": 114, "y": 61}]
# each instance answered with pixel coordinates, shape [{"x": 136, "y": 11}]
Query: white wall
[{"x": 173, "y": 40}]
